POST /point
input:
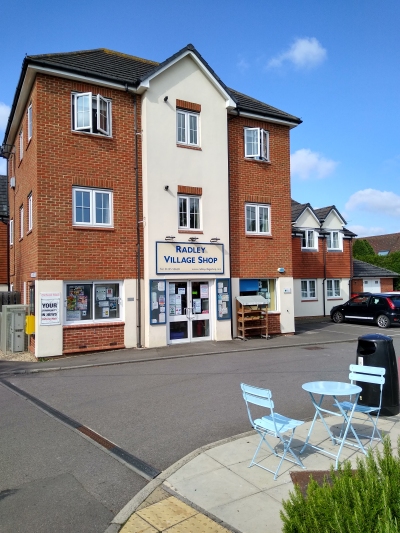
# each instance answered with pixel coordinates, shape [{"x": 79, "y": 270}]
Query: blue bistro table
[{"x": 333, "y": 389}]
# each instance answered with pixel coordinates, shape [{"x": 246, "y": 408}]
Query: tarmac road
[{"x": 158, "y": 410}]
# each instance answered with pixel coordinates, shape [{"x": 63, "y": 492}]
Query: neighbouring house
[
  {"x": 322, "y": 259},
  {"x": 384, "y": 244},
  {"x": 371, "y": 278},
  {"x": 147, "y": 197},
  {"x": 4, "y": 248}
]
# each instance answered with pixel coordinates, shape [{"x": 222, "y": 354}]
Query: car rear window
[{"x": 395, "y": 299}]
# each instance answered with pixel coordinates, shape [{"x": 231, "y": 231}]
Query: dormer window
[
  {"x": 256, "y": 143},
  {"x": 334, "y": 240},
  {"x": 309, "y": 240},
  {"x": 91, "y": 113}
]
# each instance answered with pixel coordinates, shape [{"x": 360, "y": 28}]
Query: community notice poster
[{"x": 50, "y": 308}]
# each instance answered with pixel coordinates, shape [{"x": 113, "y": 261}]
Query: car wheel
[
  {"x": 383, "y": 321},
  {"x": 338, "y": 317}
]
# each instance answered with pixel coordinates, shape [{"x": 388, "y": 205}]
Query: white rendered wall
[
  {"x": 130, "y": 330},
  {"x": 303, "y": 308},
  {"x": 164, "y": 163}
]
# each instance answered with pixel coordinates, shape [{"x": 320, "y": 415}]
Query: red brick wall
[
  {"x": 311, "y": 264},
  {"x": 92, "y": 337},
  {"x": 3, "y": 254},
  {"x": 258, "y": 256}
]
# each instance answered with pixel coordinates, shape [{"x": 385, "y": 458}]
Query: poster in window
[
  {"x": 110, "y": 292},
  {"x": 106, "y": 312},
  {"x": 101, "y": 293},
  {"x": 82, "y": 303},
  {"x": 203, "y": 290}
]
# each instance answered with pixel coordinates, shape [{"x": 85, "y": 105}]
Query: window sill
[
  {"x": 92, "y": 228},
  {"x": 88, "y": 134},
  {"x": 29, "y": 232},
  {"x": 258, "y": 236},
  {"x": 29, "y": 142},
  {"x": 334, "y": 250},
  {"x": 191, "y": 232},
  {"x": 337, "y": 298},
  {"x": 91, "y": 324},
  {"x": 253, "y": 160},
  {"x": 309, "y": 249},
  {"x": 310, "y": 300},
  {"x": 188, "y": 146}
]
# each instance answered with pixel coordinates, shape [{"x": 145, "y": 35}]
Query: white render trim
[
  {"x": 230, "y": 104},
  {"x": 265, "y": 119}
]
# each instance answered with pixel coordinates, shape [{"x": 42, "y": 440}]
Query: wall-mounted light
[
  {"x": 215, "y": 239},
  {"x": 169, "y": 238},
  {"x": 281, "y": 270},
  {"x": 165, "y": 98},
  {"x": 166, "y": 187},
  {"x": 193, "y": 239}
]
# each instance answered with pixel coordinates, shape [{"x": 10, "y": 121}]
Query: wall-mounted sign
[
  {"x": 188, "y": 258},
  {"x": 50, "y": 308}
]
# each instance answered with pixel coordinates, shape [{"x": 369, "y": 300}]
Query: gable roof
[
  {"x": 323, "y": 213},
  {"x": 298, "y": 209},
  {"x": 3, "y": 198},
  {"x": 366, "y": 270},
  {"x": 320, "y": 214},
  {"x": 389, "y": 242},
  {"x": 129, "y": 72}
]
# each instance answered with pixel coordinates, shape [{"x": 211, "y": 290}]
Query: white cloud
[
  {"x": 307, "y": 164},
  {"x": 364, "y": 231},
  {"x": 304, "y": 53},
  {"x": 242, "y": 65},
  {"x": 4, "y": 112},
  {"x": 376, "y": 201}
]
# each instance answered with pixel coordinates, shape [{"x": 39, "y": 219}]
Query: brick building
[
  {"x": 3, "y": 234},
  {"x": 145, "y": 197},
  {"x": 322, "y": 259}
]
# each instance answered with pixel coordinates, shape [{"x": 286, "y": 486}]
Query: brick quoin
[{"x": 55, "y": 160}]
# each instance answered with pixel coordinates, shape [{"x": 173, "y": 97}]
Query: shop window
[
  {"x": 91, "y": 113},
  {"x": 187, "y": 128},
  {"x": 256, "y": 143},
  {"x": 262, "y": 287},
  {"x": 189, "y": 212},
  {"x": 308, "y": 289},
  {"x": 333, "y": 288},
  {"x": 92, "y": 302},
  {"x": 92, "y": 207}
]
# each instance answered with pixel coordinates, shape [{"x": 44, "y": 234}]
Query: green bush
[{"x": 366, "y": 500}]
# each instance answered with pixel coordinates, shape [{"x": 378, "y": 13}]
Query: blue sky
[{"x": 333, "y": 64}]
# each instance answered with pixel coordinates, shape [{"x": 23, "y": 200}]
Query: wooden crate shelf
[{"x": 252, "y": 317}]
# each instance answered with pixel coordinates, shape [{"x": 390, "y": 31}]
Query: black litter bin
[{"x": 377, "y": 350}]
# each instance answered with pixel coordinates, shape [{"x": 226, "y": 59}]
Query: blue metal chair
[
  {"x": 272, "y": 424},
  {"x": 366, "y": 374}
]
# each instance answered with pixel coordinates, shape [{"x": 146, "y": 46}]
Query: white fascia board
[
  {"x": 145, "y": 84},
  {"x": 268, "y": 119},
  {"x": 30, "y": 75}
]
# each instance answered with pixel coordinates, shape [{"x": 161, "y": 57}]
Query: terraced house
[{"x": 144, "y": 197}]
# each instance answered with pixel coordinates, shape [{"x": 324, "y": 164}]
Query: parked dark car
[{"x": 382, "y": 309}]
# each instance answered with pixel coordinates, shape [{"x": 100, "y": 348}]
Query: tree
[{"x": 362, "y": 250}]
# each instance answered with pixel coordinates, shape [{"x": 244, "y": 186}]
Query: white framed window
[
  {"x": 30, "y": 212},
  {"x": 309, "y": 240},
  {"x": 21, "y": 145},
  {"x": 334, "y": 240},
  {"x": 11, "y": 232},
  {"x": 92, "y": 207},
  {"x": 91, "y": 113},
  {"x": 21, "y": 222},
  {"x": 30, "y": 126},
  {"x": 189, "y": 212},
  {"x": 187, "y": 128},
  {"x": 333, "y": 288},
  {"x": 97, "y": 301},
  {"x": 308, "y": 289},
  {"x": 258, "y": 219},
  {"x": 256, "y": 143}
]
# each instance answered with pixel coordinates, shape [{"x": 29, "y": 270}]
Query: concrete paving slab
[
  {"x": 213, "y": 488},
  {"x": 166, "y": 513},
  {"x": 198, "y": 524},
  {"x": 136, "y": 524},
  {"x": 238, "y": 450},
  {"x": 199, "y": 465}
]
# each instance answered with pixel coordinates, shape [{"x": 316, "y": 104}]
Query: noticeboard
[
  {"x": 157, "y": 302},
  {"x": 224, "y": 304}
]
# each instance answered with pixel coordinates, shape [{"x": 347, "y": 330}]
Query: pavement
[{"x": 213, "y": 490}]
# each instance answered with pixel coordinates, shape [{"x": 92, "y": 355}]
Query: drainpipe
[
  {"x": 138, "y": 222},
  {"x": 324, "y": 234},
  {"x": 351, "y": 267}
]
